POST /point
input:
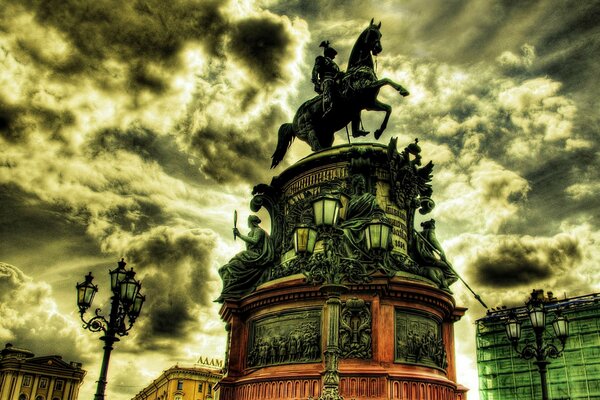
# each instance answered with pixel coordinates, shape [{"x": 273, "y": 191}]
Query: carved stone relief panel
[
  {"x": 355, "y": 329},
  {"x": 287, "y": 338},
  {"x": 418, "y": 340}
]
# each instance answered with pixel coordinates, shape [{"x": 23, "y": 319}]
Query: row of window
[
  {"x": 209, "y": 387},
  {"x": 23, "y": 396},
  {"x": 43, "y": 384}
]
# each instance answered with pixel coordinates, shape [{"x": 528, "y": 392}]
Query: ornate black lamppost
[
  {"x": 541, "y": 350},
  {"x": 126, "y": 303},
  {"x": 329, "y": 270}
]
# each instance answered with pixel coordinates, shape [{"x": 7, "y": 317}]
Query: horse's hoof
[
  {"x": 359, "y": 133},
  {"x": 378, "y": 133}
]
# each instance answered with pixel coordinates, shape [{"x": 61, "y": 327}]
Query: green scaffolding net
[{"x": 574, "y": 375}]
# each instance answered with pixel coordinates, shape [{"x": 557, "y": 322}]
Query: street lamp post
[
  {"x": 541, "y": 350},
  {"x": 126, "y": 303}
]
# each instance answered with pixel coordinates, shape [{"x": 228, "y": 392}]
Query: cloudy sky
[{"x": 134, "y": 129}]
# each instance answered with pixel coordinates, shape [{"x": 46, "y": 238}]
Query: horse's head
[
  {"x": 367, "y": 44},
  {"x": 372, "y": 37}
]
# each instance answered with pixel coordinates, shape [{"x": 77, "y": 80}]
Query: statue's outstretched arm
[{"x": 252, "y": 239}]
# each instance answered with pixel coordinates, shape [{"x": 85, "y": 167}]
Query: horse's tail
[{"x": 285, "y": 137}]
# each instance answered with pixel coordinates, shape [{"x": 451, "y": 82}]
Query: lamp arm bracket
[
  {"x": 528, "y": 352},
  {"x": 123, "y": 331},
  {"x": 97, "y": 323},
  {"x": 550, "y": 350}
]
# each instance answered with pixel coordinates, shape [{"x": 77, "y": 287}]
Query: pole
[
  {"x": 108, "y": 346},
  {"x": 542, "y": 364},
  {"x": 331, "y": 376},
  {"x": 439, "y": 253},
  {"x": 109, "y": 339},
  {"x": 541, "y": 361}
]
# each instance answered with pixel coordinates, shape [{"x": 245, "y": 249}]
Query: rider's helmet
[{"x": 328, "y": 51}]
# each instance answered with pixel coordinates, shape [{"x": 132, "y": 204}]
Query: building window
[
  {"x": 39, "y": 398},
  {"x": 179, "y": 385},
  {"x": 43, "y": 383},
  {"x": 59, "y": 385},
  {"x": 22, "y": 396},
  {"x": 209, "y": 389},
  {"x": 27, "y": 380},
  {"x": 200, "y": 387}
]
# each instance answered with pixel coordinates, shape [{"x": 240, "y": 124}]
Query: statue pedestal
[
  {"x": 355, "y": 302},
  {"x": 270, "y": 355}
]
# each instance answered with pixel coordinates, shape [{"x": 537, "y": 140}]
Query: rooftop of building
[
  {"x": 11, "y": 354},
  {"x": 550, "y": 303},
  {"x": 11, "y": 351}
]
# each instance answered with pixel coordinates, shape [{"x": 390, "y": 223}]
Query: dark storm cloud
[
  {"x": 325, "y": 11},
  {"x": 566, "y": 34},
  {"x": 523, "y": 261},
  {"x": 548, "y": 203},
  {"x": 570, "y": 37},
  {"x": 133, "y": 31},
  {"x": 17, "y": 121},
  {"x": 147, "y": 144},
  {"x": 175, "y": 273},
  {"x": 11, "y": 128},
  {"x": 263, "y": 44},
  {"x": 234, "y": 154},
  {"x": 28, "y": 222}
]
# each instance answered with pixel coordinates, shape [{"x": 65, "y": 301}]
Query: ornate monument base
[
  {"x": 396, "y": 342},
  {"x": 344, "y": 299}
]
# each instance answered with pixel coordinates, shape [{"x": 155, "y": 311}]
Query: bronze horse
[{"x": 357, "y": 90}]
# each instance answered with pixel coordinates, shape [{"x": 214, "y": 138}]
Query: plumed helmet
[{"x": 327, "y": 49}]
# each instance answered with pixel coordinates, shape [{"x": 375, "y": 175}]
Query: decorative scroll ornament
[{"x": 355, "y": 330}]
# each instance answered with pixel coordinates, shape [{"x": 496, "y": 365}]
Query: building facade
[
  {"x": 26, "y": 377},
  {"x": 574, "y": 376},
  {"x": 184, "y": 383}
]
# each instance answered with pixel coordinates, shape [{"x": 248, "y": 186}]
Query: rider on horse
[
  {"x": 324, "y": 75},
  {"x": 314, "y": 122}
]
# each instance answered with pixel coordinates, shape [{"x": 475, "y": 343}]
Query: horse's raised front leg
[
  {"x": 379, "y": 106},
  {"x": 386, "y": 81}
]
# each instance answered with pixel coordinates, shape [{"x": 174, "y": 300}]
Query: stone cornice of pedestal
[
  {"x": 292, "y": 371},
  {"x": 335, "y": 154},
  {"x": 458, "y": 313},
  {"x": 280, "y": 291}
]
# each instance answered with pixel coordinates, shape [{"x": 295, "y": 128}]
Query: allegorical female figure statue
[
  {"x": 433, "y": 258},
  {"x": 244, "y": 272},
  {"x": 362, "y": 208}
]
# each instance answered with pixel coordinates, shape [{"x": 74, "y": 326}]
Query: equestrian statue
[{"x": 342, "y": 96}]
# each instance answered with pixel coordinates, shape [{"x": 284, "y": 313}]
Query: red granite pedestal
[{"x": 381, "y": 377}]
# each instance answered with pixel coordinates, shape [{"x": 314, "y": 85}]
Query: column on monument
[
  {"x": 386, "y": 347},
  {"x": 448, "y": 338},
  {"x": 238, "y": 347}
]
